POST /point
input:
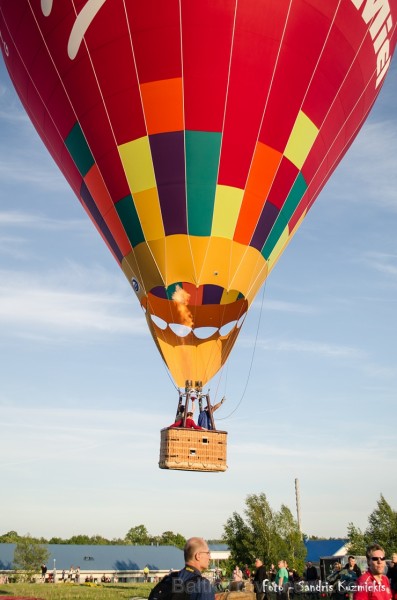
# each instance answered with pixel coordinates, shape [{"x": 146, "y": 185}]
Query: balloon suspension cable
[
  {"x": 166, "y": 369},
  {"x": 252, "y": 358},
  {"x": 227, "y": 366}
]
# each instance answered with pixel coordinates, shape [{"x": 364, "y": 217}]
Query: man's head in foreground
[{"x": 196, "y": 553}]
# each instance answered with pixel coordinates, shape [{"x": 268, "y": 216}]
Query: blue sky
[{"x": 310, "y": 387}]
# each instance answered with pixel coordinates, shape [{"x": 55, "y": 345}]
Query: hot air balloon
[{"x": 197, "y": 135}]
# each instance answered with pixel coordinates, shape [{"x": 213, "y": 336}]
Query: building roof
[
  {"x": 135, "y": 558},
  {"x": 219, "y": 552},
  {"x": 317, "y": 549},
  {"x": 103, "y": 557}
]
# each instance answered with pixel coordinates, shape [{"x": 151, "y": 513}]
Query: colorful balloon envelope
[{"x": 197, "y": 134}]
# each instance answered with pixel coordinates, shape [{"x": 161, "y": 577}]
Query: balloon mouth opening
[
  {"x": 182, "y": 310},
  {"x": 201, "y": 333}
]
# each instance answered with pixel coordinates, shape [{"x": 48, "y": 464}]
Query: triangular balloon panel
[{"x": 197, "y": 134}]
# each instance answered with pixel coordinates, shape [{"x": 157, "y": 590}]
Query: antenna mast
[{"x": 298, "y": 505}]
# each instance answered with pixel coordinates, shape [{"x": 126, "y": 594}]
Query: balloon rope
[
  {"x": 252, "y": 358},
  {"x": 227, "y": 364},
  {"x": 225, "y": 368},
  {"x": 169, "y": 375}
]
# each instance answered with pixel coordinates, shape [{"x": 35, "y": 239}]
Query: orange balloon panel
[{"x": 197, "y": 134}]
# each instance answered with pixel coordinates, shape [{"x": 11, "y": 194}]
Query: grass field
[{"x": 121, "y": 591}]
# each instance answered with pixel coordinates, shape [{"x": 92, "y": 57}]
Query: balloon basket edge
[{"x": 193, "y": 450}]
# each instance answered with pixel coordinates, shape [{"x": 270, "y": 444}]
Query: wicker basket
[{"x": 193, "y": 449}]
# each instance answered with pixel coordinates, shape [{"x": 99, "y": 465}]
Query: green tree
[
  {"x": 382, "y": 526},
  {"x": 57, "y": 540},
  {"x": 169, "y": 538},
  {"x": 28, "y": 556},
  {"x": 118, "y": 541},
  {"x": 382, "y": 529},
  {"x": 357, "y": 541},
  {"x": 238, "y": 536},
  {"x": 266, "y": 533},
  {"x": 99, "y": 540},
  {"x": 216, "y": 541},
  {"x": 290, "y": 539},
  {"x": 154, "y": 540},
  {"x": 9, "y": 538},
  {"x": 262, "y": 525},
  {"x": 138, "y": 535},
  {"x": 79, "y": 540}
]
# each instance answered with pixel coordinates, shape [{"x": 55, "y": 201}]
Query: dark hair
[{"x": 351, "y": 556}]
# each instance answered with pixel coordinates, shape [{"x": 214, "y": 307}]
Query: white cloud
[
  {"x": 20, "y": 219},
  {"x": 285, "y": 306},
  {"x": 11, "y": 110},
  {"x": 21, "y": 245},
  {"x": 13, "y": 116},
  {"x": 309, "y": 347},
  {"x": 369, "y": 172},
  {"x": 13, "y": 246},
  {"x": 381, "y": 262},
  {"x": 24, "y": 159},
  {"x": 322, "y": 348},
  {"x": 26, "y": 171},
  {"x": 69, "y": 301},
  {"x": 63, "y": 436}
]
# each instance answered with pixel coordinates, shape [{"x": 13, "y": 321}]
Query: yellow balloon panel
[{"x": 196, "y": 362}]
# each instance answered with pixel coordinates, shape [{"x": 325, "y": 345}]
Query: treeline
[
  {"x": 260, "y": 531},
  {"x": 138, "y": 536}
]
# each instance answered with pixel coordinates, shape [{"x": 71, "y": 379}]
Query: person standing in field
[{"x": 373, "y": 584}]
